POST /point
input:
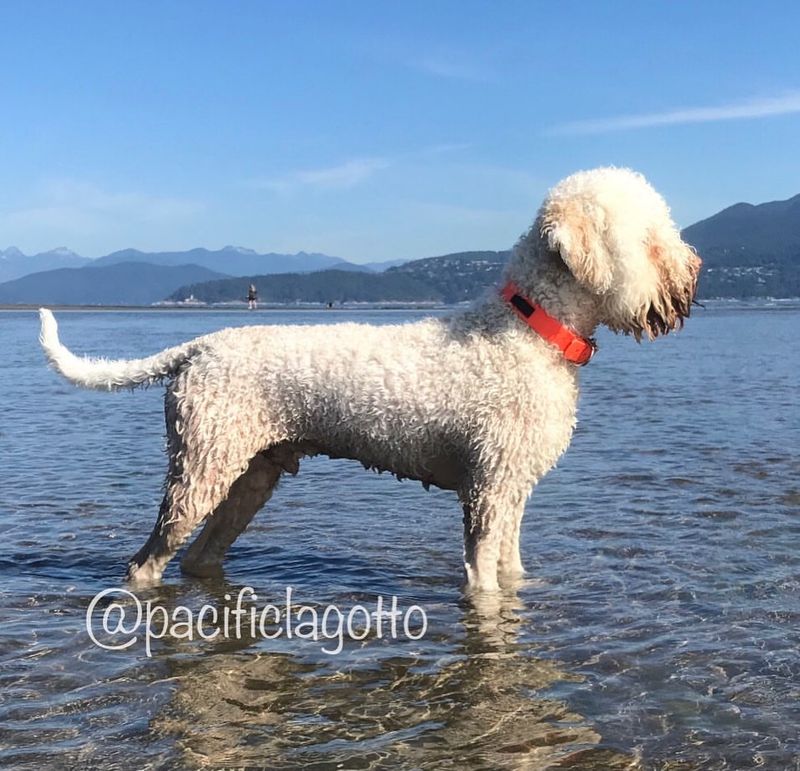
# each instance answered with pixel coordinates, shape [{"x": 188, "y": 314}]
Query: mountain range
[
  {"x": 747, "y": 234},
  {"x": 748, "y": 251},
  {"x": 457, "y": 277},
  {"x": 326, "y": 286},
  {"x": 133, "y": 277},
  {"x": 126, "y": 283},
  {"x": 449, "y": 279},
  {"x": 15, "y": 264},
  {"x": 232, "y": 260}
]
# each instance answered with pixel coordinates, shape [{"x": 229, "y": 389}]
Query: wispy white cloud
[
  {"x": 443, "y": 149},
  {"x": 449, "y": 65},
  {"x": 340, "y": 177},
  {"x": 761, "y": 107},
  {"x": 350, "y": 173}
]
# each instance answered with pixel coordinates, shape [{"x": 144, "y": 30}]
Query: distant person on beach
[{"x": 252, "y": 297}]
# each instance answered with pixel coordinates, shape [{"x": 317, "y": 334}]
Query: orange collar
[{"x": 576, "y": 349}]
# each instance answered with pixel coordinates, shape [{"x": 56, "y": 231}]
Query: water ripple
[{"x": 658, "y": 628}]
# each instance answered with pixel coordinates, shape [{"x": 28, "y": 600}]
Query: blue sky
[{"x": 373, "y": 130}]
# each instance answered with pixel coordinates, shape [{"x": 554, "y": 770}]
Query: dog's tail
[{"x": 108, "y": 374}]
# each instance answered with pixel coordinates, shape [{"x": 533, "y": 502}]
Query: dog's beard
[
  {"x": 669, "y": 311},
  {"x": 666, "y": 311}
]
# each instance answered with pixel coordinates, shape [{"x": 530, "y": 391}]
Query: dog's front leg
[
  {"x": 487, "y": 511},
  {"x": 510, "y": 565}
]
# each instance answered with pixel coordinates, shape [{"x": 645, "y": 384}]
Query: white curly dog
[{"x": 481, "y": 402}]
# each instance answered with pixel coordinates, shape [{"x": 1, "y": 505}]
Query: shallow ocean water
[{"x": 658, "y": 627}]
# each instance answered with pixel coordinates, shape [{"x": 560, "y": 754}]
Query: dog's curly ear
[{"x": 576, "y": 227}]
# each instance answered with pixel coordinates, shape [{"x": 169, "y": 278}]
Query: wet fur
[{"x": 475, "y": 402}]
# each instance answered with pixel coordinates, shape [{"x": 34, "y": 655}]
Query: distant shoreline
[
  {"x": 716, "y": 302},
  {"x": 228, "y": 308}
]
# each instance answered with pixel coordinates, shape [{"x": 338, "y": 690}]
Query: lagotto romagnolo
[{"x": 481, "y": 402}]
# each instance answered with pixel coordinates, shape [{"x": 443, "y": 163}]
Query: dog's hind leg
[
  {"x": 186, "y": 504},
  {"x": 208, "y": 452},
  {"x": 247, "y": 496}
]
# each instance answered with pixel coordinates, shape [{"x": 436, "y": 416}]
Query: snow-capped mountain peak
[
  {"x": 12, "y": 253},
  {"x": 14, "y": 263},
  {"x": 61, "y": 251}
]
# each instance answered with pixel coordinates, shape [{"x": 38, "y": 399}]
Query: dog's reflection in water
[{"x": 469, "y": 695}]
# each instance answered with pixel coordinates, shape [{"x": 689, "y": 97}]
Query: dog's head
[{"x": 614, "y": 234}]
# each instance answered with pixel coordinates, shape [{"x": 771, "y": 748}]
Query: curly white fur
[{"x": 475, "y": 402}]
